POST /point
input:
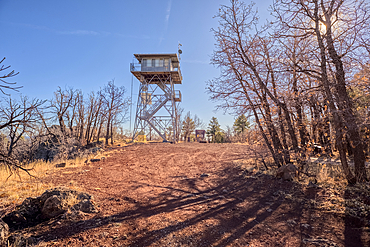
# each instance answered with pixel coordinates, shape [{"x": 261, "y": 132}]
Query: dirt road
[{"x": 162, "y": 194}]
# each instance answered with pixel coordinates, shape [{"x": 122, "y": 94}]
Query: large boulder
[
  {"x": 52, "y": 203},
  {"x": 287, "y": 172}
]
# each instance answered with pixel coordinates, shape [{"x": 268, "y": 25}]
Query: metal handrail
[
  {"x": 138, "y": 67},
  {"x": 177, "y": 94},
  {"x": 135, "y": 67},
  {"x": 155, "y": 107}
]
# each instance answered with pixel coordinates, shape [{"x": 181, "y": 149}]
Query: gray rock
[
  {"x": 84, "y": 196},
  {"x": 52, "y": 203},
  {"x": 86, "y": 206},
  {"x": 61, "y": 192},
  {"x": 60, "y": 165},
  {"x": 53, "y": 207},
  {"x": 31, "y": 205},
  {"x": 15, "y": 218},
  {"x": 292, "y": 222},
  {"x": 4, "y": 231},
  {"x": 306, "y": 226},
  {"x": 204, "y": 175},
  {"x": 287, "y": 172}
]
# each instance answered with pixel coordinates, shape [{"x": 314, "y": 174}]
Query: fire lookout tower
[{"x": 157, "y": 98}]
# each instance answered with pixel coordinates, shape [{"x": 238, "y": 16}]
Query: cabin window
[
  {"x": 157, "y": 62},
  {"x": 147, "y": 63},
  {"x": 166, "y": 62}
]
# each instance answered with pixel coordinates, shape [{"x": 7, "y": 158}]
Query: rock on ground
[
  {"x": 52, "y": 203},
  {"x": 287, "y": 172}
]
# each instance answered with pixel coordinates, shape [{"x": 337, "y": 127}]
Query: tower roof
[{"x": 173, "y": 56}]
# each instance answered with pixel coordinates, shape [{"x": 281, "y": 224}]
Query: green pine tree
[
  {"x": 241, "y": 124},
  {"x": 214, "y": 130}
]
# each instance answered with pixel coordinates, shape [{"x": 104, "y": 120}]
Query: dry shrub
[
  {"x": 256, "y": 164},
  {"x": 70, "y": 201},
  {"x": 249, "y": 165},
  {"x": 323, "y": 176},
  {"x": 325, "y": 172}
]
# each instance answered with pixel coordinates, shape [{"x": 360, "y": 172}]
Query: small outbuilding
[{"x": 200, "y": 135}]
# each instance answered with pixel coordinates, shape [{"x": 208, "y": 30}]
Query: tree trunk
[
  {"x": 345, "y": 105},
  {"x": 107, "y": 132},
  {"x": 99, "y": 129},
  {"x": 111, "y": 133},
  {"x": 337, "y": 122}
]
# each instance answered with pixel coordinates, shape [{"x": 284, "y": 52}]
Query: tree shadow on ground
[{"x": 223, "y": 211}]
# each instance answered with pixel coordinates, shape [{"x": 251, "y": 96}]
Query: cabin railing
[
  {"x": 177, "y": 96},
  {"x": 139, "y": 67}
]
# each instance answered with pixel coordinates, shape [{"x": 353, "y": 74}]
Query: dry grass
[
  {"x": 15, "y": 187},
  {"x": 329, "y": 174},
  {"x": 255, "y": 164},
  {"x": 325, "y": 170}
]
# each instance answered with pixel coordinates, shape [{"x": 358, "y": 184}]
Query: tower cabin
[{"x": 161, "y": 65}]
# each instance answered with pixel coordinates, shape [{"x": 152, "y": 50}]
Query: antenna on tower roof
[{"x": 179, "y": 50}]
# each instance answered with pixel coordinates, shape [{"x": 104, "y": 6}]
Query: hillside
[{"x": 195, "y": 194}]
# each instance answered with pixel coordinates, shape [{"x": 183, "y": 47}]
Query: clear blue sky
[{"x": 85, "y": 43}]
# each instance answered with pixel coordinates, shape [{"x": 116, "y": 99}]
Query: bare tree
[
  {"x": 179, "y": 121},
  {"x": 333, "y": 28},
  {"x": 80, "y": 117},
  {"x": 61, "y": 103},
  {"x": 3, "y": 78},
  {"x": 198, "y": 122},
  {"x": 188, "y": 126},
  {"x": 72, "y": 113},
  {"x": 17, "y": 120},
  {"x": 295, "y": 66},
  {"x": 247, "y": 82},
  {"x": 116, "y": 107},
  {"x": 93, "y": 114}
]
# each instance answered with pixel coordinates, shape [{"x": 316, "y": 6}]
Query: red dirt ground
[{"x": 159, "y": 194}]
